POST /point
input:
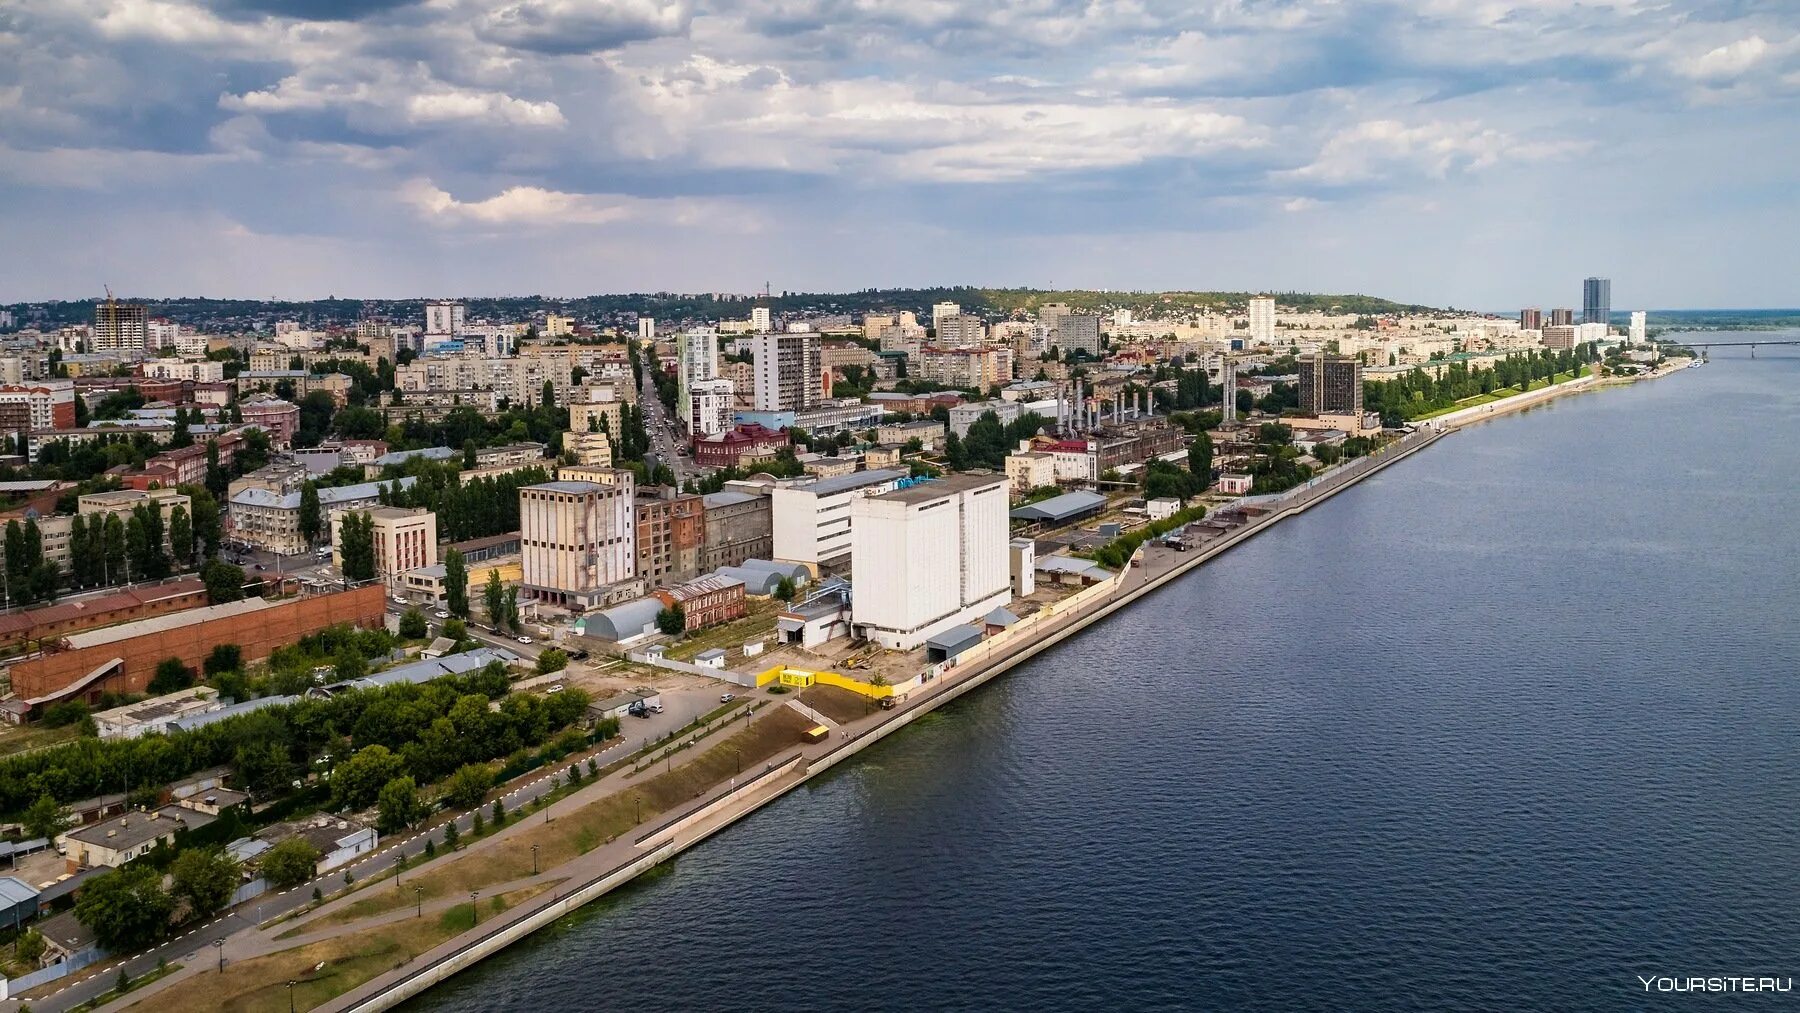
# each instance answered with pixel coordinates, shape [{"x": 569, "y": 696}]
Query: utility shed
[
  {"x": 1064, "y": 509},
  {"x": 951, "y": 643}
]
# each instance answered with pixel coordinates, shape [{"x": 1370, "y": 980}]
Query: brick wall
[{"x": 256, "y": 633}]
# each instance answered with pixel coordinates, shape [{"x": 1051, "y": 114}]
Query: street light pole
[
  {"x": 219, "y": 948},
  {"x": 291, "y": 985},
  {"x": 640, "y": 809},
  {"x": 534, "y": 865},
  {"x": 418, "y": 901},
  {"x": 474, "y": 909}
]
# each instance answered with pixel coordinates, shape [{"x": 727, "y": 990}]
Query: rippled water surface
[{"x": 1504, "y": 727}]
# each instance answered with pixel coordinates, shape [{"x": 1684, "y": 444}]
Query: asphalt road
[{"x": 194, "y": 943}]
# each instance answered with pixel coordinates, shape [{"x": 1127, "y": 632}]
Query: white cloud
[
  {"x": 1380, "y": 149},
  {"x": 1727, "y": 61},
  {"x": 582, "y": 26},
  {"x": 1298, "y": 204},
  {"x": 747, "y": 115},
  {"x": 534, "y": 207},
  {"x": 391, "y": 99}
]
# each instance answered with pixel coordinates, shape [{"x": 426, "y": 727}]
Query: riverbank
[
  {"x": 615, "y": 863},
  {"x": 726, "y": 804}
]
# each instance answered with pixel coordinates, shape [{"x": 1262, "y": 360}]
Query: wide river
[{"x": 1505, "y": 727}]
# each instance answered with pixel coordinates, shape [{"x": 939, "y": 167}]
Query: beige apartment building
[{"x": 405, "y": 539}]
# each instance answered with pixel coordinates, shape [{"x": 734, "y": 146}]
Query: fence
[{"x": 61, "y": 969}]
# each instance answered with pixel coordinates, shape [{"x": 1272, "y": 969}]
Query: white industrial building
[
  {"x": 811, "y": 523},
  {"x": 929, "y": 557}
]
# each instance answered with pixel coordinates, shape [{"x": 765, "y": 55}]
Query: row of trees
[
  {"x": 472, "y": 509},
  {"x": 989, "y": 441},
  {"x": 1418, "y": 393}
]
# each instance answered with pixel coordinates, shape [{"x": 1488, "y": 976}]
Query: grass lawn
[
  {"x": 758, "y": 623},
  {"x": 260, "y": 984},
  {"x": 20, "y": 739},
  {"x": 839, "y": 705},
  {"x": 584, "y": 830}
]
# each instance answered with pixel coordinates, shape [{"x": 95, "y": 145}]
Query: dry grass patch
[
  {"x": 260, "y": 983},
  {"x": 840, "y": 705},
  {"x": 574, "y": 834}
]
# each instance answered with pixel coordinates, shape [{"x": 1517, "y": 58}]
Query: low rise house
[{"x": 123, "y": 838}]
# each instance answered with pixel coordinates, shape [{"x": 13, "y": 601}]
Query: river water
[{"x": 1505, "y": 727}]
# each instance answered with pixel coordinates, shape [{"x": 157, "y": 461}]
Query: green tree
[
  {"x": 350, "y": 665},
  {"x": 114, "y": 566},
  {"x": 398, "y": 805},
  {"x": 81, "y": 554},
  {"x": 216, "y": 480},
  {"x": 44, "y": 818},
  {"x": 552, "y": 660},
  {"x": 451, "y": 835},
  {"x": 512, "y": 608},
  {"x": 1200, "y": 458},
  {"x": 290, "y": 863},
  {"x": 494, "y": 597},
  {"x": 356, "y": 545},
  {"x": 784, "y": 589},
  {"x": 30, "y": 946},
  {"x": 208, "y": 530},
  {"x": 181, "y": 537},
  {"x": 456, "y": 584},
  {"x": 223, "y": 581},
  {"x": 310, "y": 520},
  {"x": 456, "y": 629},
  {"x": 171, "y": 675},
  {"x": 357, "y": 782},
  {"x": 468, "y": 785},
  {"x": 205, "y": 878},
  {"x": 412, "y": 624},
  {"x": 125, "y": 909},
  {"x": 672, "y": 620},
  {"x": 224, "y": 658}
]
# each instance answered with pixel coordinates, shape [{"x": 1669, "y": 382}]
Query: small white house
[{"x": 1162, "y": 508}]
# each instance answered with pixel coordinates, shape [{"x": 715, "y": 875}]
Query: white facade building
[
  {"x": 811, "y": 523},
  {"x": 696, "y": 361},
  {"x": 762, "y": 320},
  {"x": 646, "y": 328},
  {"x": 1637, "y": 327},
  {"x": 1262, "y": 320},
  {"x": 710, "y": 404},
  {"x": 929, "y": 557},
  {"x": 788, "y": 370},
  {"x": 939, "y": 311},
  {"x": 442, "y": 319}
]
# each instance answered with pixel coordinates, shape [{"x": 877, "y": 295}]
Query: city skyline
[{"x": 378, "y": 149}]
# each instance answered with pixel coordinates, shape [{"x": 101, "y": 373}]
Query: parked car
[
  {"x": 727, "y": 697},
  {"x": 441, "y": 614},
  {"x": 524, "y": 640},
  {"x": 654, "y": 708}
]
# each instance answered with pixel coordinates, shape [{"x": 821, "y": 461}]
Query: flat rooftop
[
  {"x": 173, "y": 620},
  {"x": 937, "y": 488}
]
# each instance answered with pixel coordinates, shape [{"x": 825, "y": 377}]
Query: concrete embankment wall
[{"x": 975, "y": 670}]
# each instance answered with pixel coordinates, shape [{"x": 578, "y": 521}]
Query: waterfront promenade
[{"x": 557, "y": 891}]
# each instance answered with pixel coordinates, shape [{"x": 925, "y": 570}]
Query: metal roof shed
[
  {"x": 1070, "y": 506},
  {"x": 951, "y": 643}
]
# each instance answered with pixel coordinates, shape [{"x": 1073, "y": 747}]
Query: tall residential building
[
  {"x": 1228, "y": 389},
  {"x": 928, "y": 558},
  {"x": 1531, "y": 319},
  {"x": 961, "y": 329},
  {"x": 1559, "y": 336},
  {"x": 558, "y": 326},
  {"x": 711, "y": 405},
  {"x": 120, "y": 327},
  {"x": 1562, "y": 317},
  {"x": 789, "y": 371},
  {"x": 39, "y": 404},
  {"x": 646, "y": 328},
  {"x": 1596, "y": 301},
  {"x": 1262, "y": 320},
  {"x": 443, "y": 318},
  {"x": 943, "y": 309},
  {"x": 1051, "y": 312},
  {"x": 762, "y": 320},
  {"x": 1331, "y": 384},
  {"x": 1637, "y": 327},
  {"x": 696, "y": 360},
  {"x": 577, "y": 540},
  {"x": 979, "y": 368},
  {"x": 1077, "y": 332}
]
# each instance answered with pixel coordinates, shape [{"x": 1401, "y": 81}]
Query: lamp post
[
  {"x": 418, "y": 901},
  {"x": 291, "y": 985},
  {"x": 640, "y": 808},
  {"x": 740, "y": 759},
  {"x": 219, "y": 948},
  {"x": 534, "y": 865},
  {"x": 399, "y": 867},
  {"x": 474, "y": 910}
]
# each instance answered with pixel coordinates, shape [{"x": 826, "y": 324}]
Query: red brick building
[
  {"x": 54, "y": 621},
  {"x": 123, "y": 658},
  {"x": 751, "y": 442},
  {"x": 707, "y": 601},
  {"x": 671, "y": 529}
]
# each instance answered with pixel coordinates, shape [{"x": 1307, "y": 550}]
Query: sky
[{"x": 1470, "y": 153}]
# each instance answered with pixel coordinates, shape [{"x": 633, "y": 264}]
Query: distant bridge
[{"x": 1706, "y": 346}]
